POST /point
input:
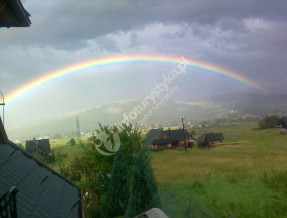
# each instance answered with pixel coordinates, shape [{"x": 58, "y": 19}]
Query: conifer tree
[
  {"x": 117, "y": 194},
  {"x": 143, "y": 193}
]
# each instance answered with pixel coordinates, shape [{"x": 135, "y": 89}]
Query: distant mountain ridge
[
  {"x": 252, "y": 103},
  {"x": 169, "y": 113}
]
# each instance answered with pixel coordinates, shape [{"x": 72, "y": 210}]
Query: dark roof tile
[{"x": 42, "y": 192}]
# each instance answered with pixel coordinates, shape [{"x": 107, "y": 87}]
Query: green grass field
[{"x": 246, "y": 179}]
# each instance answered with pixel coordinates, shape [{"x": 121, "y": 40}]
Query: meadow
[
  {"x": 247, "y": 178},
  {"x": 243, "y": 178}
]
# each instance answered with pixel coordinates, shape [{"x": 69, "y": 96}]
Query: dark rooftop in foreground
[
  {"x": 13, "y": 14},
  {"x": 42, "y": 192}
]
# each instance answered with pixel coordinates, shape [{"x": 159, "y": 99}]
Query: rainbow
[{"x": 81, "y": 66}]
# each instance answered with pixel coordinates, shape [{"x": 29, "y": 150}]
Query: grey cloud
[
  {"x": 82, "y": 20},
  {"x": 248, "y": 37},
  {"x": 107, "y": 44}
]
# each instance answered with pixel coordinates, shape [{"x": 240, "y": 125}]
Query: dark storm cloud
[
  {"x": 248, "y": 37},
  {"x": 56, "y": 21}
]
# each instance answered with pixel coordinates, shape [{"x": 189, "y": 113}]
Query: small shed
[
  {"x": 207, "y": 139},
  {"x": 41, "y": 146}
]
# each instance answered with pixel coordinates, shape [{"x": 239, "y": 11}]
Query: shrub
[{"x": 268, "y": 122}]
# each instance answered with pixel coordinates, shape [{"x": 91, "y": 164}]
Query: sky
[{"x": 246, "y": 37}]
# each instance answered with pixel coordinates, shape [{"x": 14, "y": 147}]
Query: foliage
[
  {"x": 52, "y": 158},
  {"x": 268, "y": 122},
  {"x": 117, "y": 194},
  {"x": 143, "y": 193},
  {"x": 92, "y": 170},
  {"x": 72, "y": 141},
  {"x": 91, "y": 204},
  {"x": 246, "y": 178},
  {"x": 117, "y": 197}
]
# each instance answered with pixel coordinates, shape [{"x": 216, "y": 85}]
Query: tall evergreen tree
[
  {"x": 117, "y": 194},
  {"x": 143, "y": 193}
]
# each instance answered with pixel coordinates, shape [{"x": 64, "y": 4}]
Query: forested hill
[{"x": 169, "y": 113}]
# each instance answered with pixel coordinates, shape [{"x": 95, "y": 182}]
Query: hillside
[
  {"x": 169, "y": 113},
  {"x": 252, "y": 103}
]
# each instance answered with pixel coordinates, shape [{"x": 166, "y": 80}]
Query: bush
[
  {"x": 72, "y": 142},
  {"x": 268, "y": 122}
]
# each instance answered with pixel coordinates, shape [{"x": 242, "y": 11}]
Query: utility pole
[
  {"x": 78, "y": 128},
  {"x": 183, "y": 132},
  {"x": 2, "y": 104}
]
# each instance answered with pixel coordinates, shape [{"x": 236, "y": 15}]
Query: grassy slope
[
  {"x": 247, "y": 179},
  {"x": 244, "y": 178}
]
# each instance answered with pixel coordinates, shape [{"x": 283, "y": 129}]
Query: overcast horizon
[{"x": 249, "y": 38}]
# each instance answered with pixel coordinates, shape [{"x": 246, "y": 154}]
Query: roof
[
  {"x": 171, "y": 135},
  {"x": 43, "y": 145},
  {"x": 210, "y": 137},
  {"x": 176, "y": 134},
  {"x": 152, "y": 135},
  {"x": 283, "y": 122},
  {"x": 13, "y": 14},
  {"x": 3, "y": 136},
  {"x": 42, "y": 192}
]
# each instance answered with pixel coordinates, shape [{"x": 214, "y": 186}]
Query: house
[
  {"x": 161, "y": 144},
  {"x": 151, "y": 135},
  {"x": 13, "y": 14},
  {"x": 283, "y": 125},
  {"x": 158, "y": 139},
  {"x": 179, "y": 139},
  {"x": 207, "y": 139},
  {"x": 29, "y": 188},
  {"x": 40, "y": 146}
]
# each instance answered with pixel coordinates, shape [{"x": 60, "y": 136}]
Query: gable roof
[
  {"x": 177, "y": 134},
  {"x": 42, "y": 192},
  {"x": 171, "y": 135},
  {"x": 210, "y": 137},
  {"x": 152, "y": 135},
  {"x": 13, "y": 14}
]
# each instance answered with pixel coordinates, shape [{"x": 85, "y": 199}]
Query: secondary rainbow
[{"x": 94, "y": 63}]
